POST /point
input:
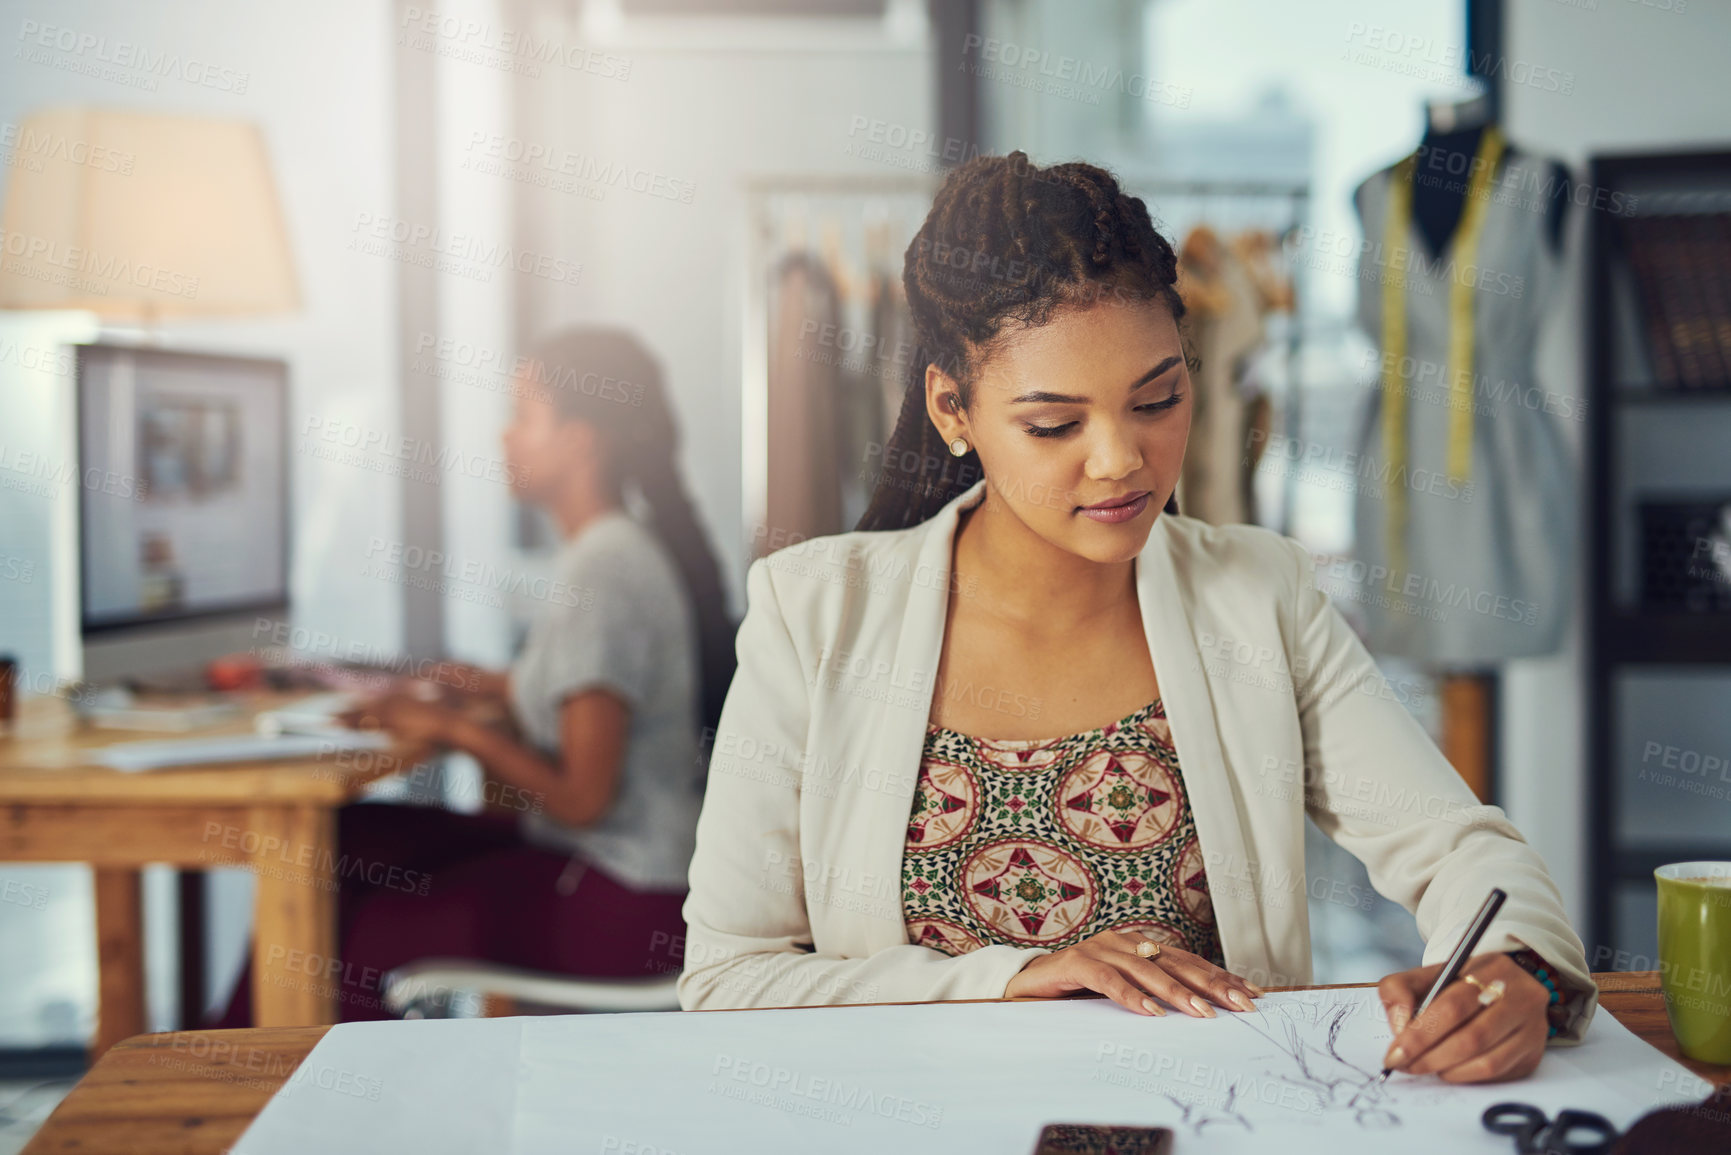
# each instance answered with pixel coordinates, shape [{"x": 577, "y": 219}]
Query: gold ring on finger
[
  {"x": 1491, "y": 993},
  {"x": 1474, "y": 980},
  {"x": 1148, "y": 948}
]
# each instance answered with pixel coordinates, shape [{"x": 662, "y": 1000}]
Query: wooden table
[
  {"x": 276, "y": 818},
  {"x": 193, "y": 1092}
]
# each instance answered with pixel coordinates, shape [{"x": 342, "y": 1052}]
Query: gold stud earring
[{"x": 958, "y": 447}]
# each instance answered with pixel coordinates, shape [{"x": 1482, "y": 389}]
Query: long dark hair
[
  {"x": 1006, "y": 244},
  {"x": 606, "y": 378}
]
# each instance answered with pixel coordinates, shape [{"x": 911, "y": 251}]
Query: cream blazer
[{"x": 1276, "y": 711}]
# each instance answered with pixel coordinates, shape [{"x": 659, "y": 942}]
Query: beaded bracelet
[{"x": 1560, "y": 1008}]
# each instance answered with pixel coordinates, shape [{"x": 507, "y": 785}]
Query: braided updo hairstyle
[{"x": 1006, "y": 245}]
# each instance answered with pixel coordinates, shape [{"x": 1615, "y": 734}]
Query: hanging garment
[
  {"x": 804, "y": 498},
  {"x": 860, "y": 429},
  {"x": 893, "y": 335},
  {"x": 1260, "y": 253},
  {"x": 1225, "y": 309},
  {"x": 1463, "y": 507}
]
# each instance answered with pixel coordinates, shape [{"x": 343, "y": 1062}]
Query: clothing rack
[
  {"x": 1290, "y": 203},
  {"x": 839, "y": 209},
  {"x": 826, "y": 196}
]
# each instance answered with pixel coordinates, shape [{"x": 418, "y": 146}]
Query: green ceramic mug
[{"x": 1695, "y": 956}]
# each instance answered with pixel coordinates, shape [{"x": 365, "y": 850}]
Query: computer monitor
[{"x": 183, "y": 507}]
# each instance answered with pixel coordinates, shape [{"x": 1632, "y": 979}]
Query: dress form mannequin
[
  {"x": 1455, "y": 129},
  {"x": 1496, "y": 534}
]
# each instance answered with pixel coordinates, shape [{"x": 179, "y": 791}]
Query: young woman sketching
[{"x": 1028, "y": 732}]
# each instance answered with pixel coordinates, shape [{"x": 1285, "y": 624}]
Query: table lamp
[{"x": 139, "y": 217}]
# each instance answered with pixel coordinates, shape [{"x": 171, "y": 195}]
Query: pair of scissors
[{"x": 1535, "y": 1133}]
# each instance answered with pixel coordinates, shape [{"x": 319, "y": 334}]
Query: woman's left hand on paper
[{"x": 1458, "y": 1038}]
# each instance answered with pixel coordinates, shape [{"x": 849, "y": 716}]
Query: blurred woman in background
[{"x": 592, "y": 741}]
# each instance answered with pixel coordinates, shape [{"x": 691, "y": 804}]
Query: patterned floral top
[{"x": 1044, "y": 842}]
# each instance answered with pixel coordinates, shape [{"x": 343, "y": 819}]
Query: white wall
[
  {"x": 716, "y": 102},
  {"x": 478, "y": 510},
  {"x": 1645, "y": 78}
]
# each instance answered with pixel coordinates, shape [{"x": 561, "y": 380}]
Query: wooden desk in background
[
  {"x": 158, "y": 1094},
  {"x": 278, "y": 819}
]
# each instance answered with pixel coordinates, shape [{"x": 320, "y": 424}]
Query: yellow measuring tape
[{"x": 1397, "y": 231}]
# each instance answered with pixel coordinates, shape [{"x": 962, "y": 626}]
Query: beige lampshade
[{"x": 142, "y": 217}]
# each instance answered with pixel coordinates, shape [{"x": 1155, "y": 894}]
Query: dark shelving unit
[{"x": 1624, "y": 639}]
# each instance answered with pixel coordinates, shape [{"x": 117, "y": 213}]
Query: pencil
[{"x": 1458, "y": 960}]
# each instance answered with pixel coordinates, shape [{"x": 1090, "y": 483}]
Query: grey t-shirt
[{"x": 622, "y": 620}]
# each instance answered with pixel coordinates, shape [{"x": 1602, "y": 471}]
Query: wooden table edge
[{"x": 244, "y": 1068}]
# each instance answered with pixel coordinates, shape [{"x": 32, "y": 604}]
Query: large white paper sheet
[
  {"x": 1296, "y": 1076},
  {"x": 428, "y": 1086}
]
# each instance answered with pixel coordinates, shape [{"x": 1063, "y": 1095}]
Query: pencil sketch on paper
[
  {"x": 1197, "y": 1116},
  {"x": 1308, "y": 1034}
]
